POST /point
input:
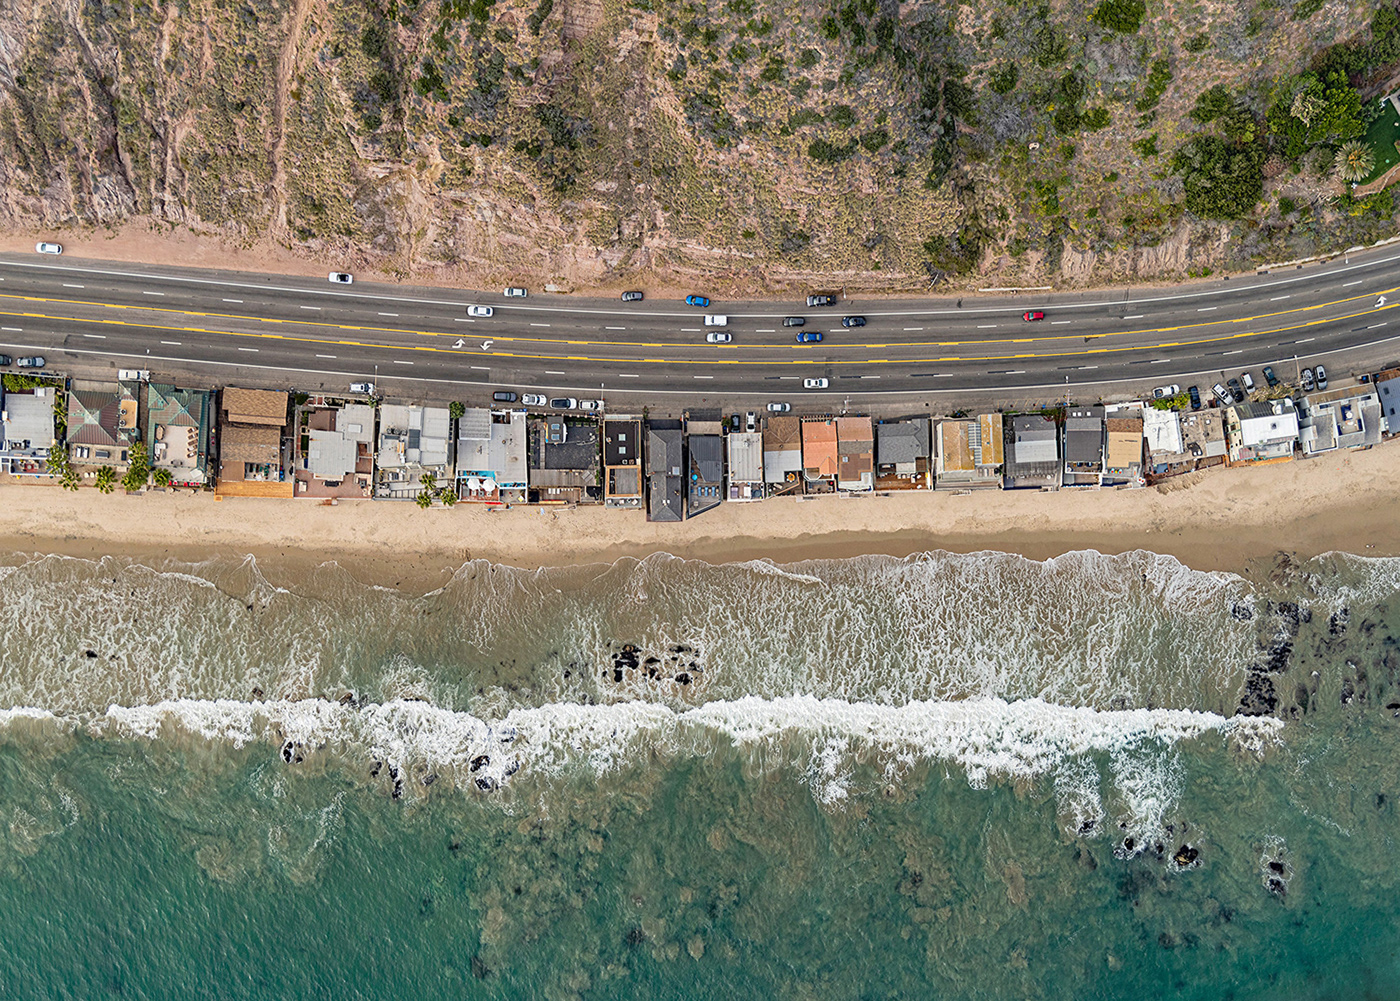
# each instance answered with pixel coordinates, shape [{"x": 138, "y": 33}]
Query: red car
[{"x": 1032, "y": 315}]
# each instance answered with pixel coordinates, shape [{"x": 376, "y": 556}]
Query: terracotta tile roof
[
  {"x": 855, "y": 445},
  {"x": 255, "y": 406},
  {"x": 819, "y": 447}
]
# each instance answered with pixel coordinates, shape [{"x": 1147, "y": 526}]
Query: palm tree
[
  {"x": 424, "y": 500},
  {"x": 1354, "y": 161},
  {"x": 106, "y": 479}
]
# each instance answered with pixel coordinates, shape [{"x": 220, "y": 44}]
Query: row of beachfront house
[{"x": 254, "y": 442}]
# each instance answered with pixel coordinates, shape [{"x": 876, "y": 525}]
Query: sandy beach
[{"x": 1225, "y": 519}]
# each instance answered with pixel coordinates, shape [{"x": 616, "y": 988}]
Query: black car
[
  {"x": 1195, "y": 395},
  {"x": 631, "y": 297},
  {"x": 852, "y": 321},
  {"x": 1269, "y": 377},
  {"x": 503, "y": 397},
  {"x": 794, "y": 321},
  {"x": 734, "y": 422},
  {"x": 821, "y": 300},
  {"x": 1236, "y": 390},
  {"x": 6, "y": 360}
]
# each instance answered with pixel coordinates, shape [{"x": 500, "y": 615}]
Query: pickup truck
[{"x": 716, "y": 320}]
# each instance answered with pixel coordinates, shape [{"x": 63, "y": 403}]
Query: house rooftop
[
  {"x": 622, "y": 443},
  {"x": 902, "y": 442},
  {"x": 255, "y": 406}
]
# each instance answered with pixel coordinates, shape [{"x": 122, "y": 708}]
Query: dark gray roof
[
  {"x": 622, "y": 443},
  {"x": 903, "y": 441},
  {"x": 664, "y": 451},
  {"x": 707, "y": 457}
]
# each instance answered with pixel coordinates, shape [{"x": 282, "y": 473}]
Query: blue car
[
  {"x": 809, "y": 337},
  {"x": 696, "y": 300}
]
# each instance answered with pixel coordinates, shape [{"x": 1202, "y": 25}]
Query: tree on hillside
[
  {"x": 1354, "y": 161},
  {"x": 1223, "y": 180}
]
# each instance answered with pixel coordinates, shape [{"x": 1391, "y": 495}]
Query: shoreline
[{"x": 1231, "y": 519}]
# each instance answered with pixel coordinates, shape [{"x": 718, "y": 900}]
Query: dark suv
[
  {"x": 821, "y": 300},
  {"x": 1195, "y": 395},
  {"x": 852, "y": 321},
  {"x": 1236, "y": 390}
]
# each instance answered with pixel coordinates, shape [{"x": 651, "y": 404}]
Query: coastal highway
[{"x": 91, "y": 317}]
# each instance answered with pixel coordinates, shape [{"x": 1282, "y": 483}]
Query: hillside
[{"x": 750, "y": 143}]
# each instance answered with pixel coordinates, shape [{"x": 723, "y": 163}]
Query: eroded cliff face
[{"x": 582, "y": 141}]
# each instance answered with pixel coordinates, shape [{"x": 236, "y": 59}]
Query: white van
[{"x": 716, "y": 320}]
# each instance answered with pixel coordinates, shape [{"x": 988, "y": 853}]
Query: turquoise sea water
[{"x": 949, "y": 776}]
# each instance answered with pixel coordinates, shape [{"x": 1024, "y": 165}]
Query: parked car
[
  {"x": 750, "y": 421},
  {"x": 1306, "y": 380},
  {"x": 502, "y": 396},
  {"x": 31, "y": 361},
  {"x": 794, "y": 321},
  {"x": 809, "y": 337},
  {"x": 734, "y": 422},
  {"x": 815, "y": 383},
  {"x": 1248, "y": 381},
  {"x": 563, "y": 403},
  {"x": 1195, "y": 395},
  {"x": 1321, "y": 377},
  {"x": 718, "y": 337},
  {"x": 779, "y": 408},
  {"x": 1222, "y": 395},
  {"x": 1032, "y": 314},
  {"x": 515, "y": 292},
  {"x": 133, "y": 375},
  {"x": 6, "y": 360},
  {"x": 1236, "y": 390},
  {"x": 631, "y": 296},
  {"x": 1166, "y": 392},
  {"x": 362, "y": 387},
  {"x": 716, "y": 320},
  {"x": 1269, "y": 377},
  {"x": 533, "y": 400},
  {"x": 697, "y": 300},
  {"x": 593, "y": 406},
  {"x": 480, "y": 311},
  {"x": 341, "y": 277},
  {"x": 852, "y": 321},
  {"x": 821, "y": 299},
  {"x": 48, "y": 248}
]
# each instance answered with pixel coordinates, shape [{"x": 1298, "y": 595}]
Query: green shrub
[
  {"x": 1147, "y": 146},
  {"x": 1004, "y": 78},
  {"x": 831, "y": 29},
  {"x": 1096, "y": 118},
  {"x": 875, "y": 140},
  {"x": 1122, "y": 16},
  {"x": 1306, "y": 9},
  {"x": 536, "y": 20},
  {"x": 774, "y": 71},
  {"x": 1159, "y": 78},
  {"x": 1286, "y": 205},
  {"x": 1222, "y": 180},
  {"x": 808, "y": 59},
  {"x": 1197, "y": 44},
  {"x": 1066, "y": 119},
  {"x": 1211, "y": 104},
  {"x": 1049, "y": 47},
  {"x": 827, "y": 152},
  {"x": 843, "y": 116}
]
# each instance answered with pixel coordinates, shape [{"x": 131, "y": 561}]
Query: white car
[
  {"x": 133, "y": 375},
  {"x": 716, "y": 320},
  {"x": 1166, "y": 392},
  {"x": 533, "y": 400},
  {"x": 516, "y": 293},
  {"x": 779, "y": 408},
  {"x": 592, "y": 405},
  {"x": 479, "y": 310},
  {"x": 815, "y": 383},
  {"x": 341, "y": 277},
  {"x": 718, "y": 337},
  {"x": 48, "y": 248},
  {"x": 362, "y": 387}
]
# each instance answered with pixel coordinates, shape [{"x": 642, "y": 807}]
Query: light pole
[{"x": 1297, "y": 369}]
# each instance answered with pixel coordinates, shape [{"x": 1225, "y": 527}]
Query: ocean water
[{"x": 945, "y": 776}]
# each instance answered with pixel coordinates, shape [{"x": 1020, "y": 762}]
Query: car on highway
[
  {"x": 480, "y": 311},
  {"x": 716, "y": 320},
  {"x": 809, "y": 337},
  {"x": 633, "y": 296},
  {"x": 821, "y": 299},
  {"x": 794, "y": 321},
  {"x": 341, "y": 277},
  {"x": 1248, "y": 381},
  {"x": 852, "y": 321},
  {"x": 504, "y": 396},
  {"x": 31, "y": 361},
  {"x": 1222, "y": 395},
  {"x": 1236, "y": 390},
  {"x": 48, "y": 248},
  {"x": 593, "y": 406},
  {"x": 1269, "y": 376},
  {"x": 1195, "y": 394},
  {"x": 1032, "y": 314},
  {"x": 6, "y": 360},
  {"x": 779, "y": 408},
  {"x": 515, "y": 292},
  {"x": 697, "y": 300},
  {"x": 1166, "y": 392},
  {"x": 533, "y": 400},
  {"x": 1305, "y": 380},
  {"x": 815, "y": 383},
  {"x": 1321, "y": 377},
  {"x": 563, "y": 403},
  {"x": 718, "y": 337},
  {"x": 362, "y": 387}
]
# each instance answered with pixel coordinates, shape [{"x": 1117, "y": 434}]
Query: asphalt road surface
[{"x": 89, "y": 318}]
